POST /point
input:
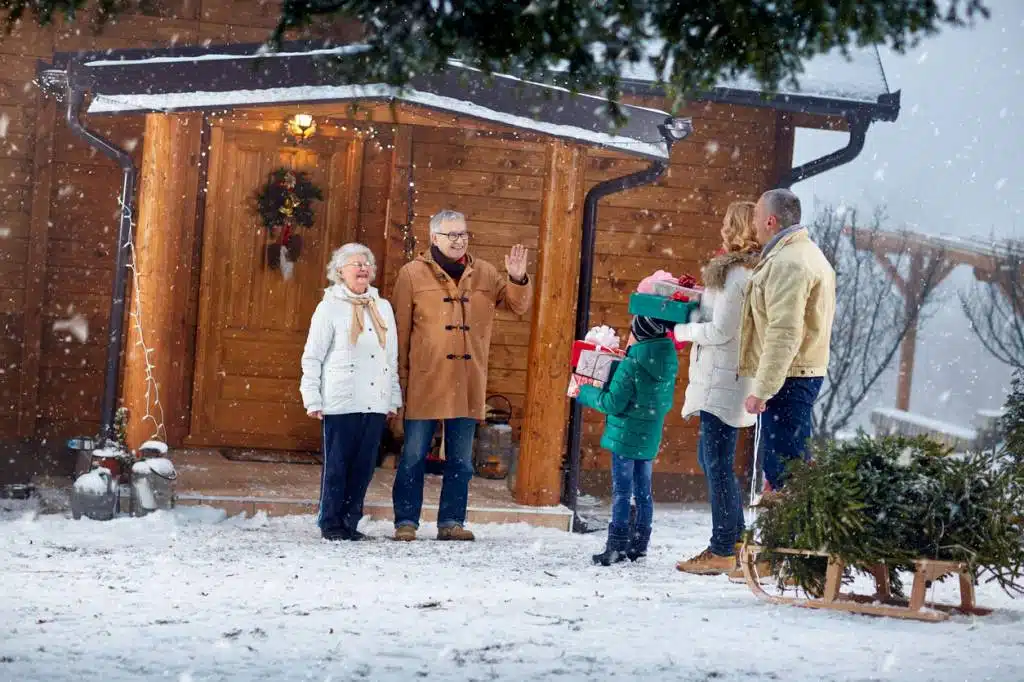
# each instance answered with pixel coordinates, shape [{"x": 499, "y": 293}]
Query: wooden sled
[{"x": 882, "y": 603}]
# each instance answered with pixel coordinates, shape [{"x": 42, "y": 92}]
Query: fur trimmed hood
[{"x": 717, "y": 269}]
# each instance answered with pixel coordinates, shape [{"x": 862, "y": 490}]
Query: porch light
[
  {"x": 677, "y": 129},
  {"x": 302, "y": 126}
]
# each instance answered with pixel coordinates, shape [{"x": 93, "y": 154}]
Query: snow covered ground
[{"x": 190, "y": 595}]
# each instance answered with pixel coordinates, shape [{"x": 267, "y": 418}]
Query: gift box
[
  {"x": 672, "y": 289},
  {"x": 592, "y": 366},
  {"x": 661, "y": 307}
]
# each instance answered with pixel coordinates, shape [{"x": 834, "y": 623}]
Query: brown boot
[
  {"x": 455, "y": 533},
  {"x": 405, "y": 533},
  {"x": 707, "y": 563}
]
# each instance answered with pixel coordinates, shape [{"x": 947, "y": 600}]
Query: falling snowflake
[
  {"x": 130, "y": 145},
  {"x": 76, "y": 325},
  {"x": 880, "y": 175},
  {"x": 65, "y": 191},
  {"x": 1003, "y": 112},
  {"x": 711, "y": 148},
  {"x": 923, "y": 58},
  {"x": 1000, "y": 183},
  {"x": 5, "y": 232},
  {"x": 5, "y": 121}
]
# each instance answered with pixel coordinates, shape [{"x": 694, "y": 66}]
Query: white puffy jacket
[
  {"x": 340, "y": 378},
  {"x": 714, "y": 382}
]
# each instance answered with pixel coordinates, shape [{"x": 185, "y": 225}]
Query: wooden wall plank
[{"x": 35, "y": 283}]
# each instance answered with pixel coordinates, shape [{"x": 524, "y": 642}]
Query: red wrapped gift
[{"x": 593, "y": 365}]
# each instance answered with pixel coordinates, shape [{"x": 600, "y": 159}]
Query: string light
[{"x": 152, "y": 392}]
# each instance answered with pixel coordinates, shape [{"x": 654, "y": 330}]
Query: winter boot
[
  {"x": 405, "y": 533},
  {"x": 707, "y": 563},
  {"x": 334, "y": 535},
  {"x": 356, "y": 536},
  {"x": 638, "y": 541},
  {"x": 615, "y": 548},
  {"x": 455, "y": 533}
]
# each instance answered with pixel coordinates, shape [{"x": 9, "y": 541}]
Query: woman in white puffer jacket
[
  {"x": 715, "y": 391},
  {"x": 350, "y": 382}
]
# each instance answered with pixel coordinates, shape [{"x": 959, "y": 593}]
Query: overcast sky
[{"x": 951, "y": 164}]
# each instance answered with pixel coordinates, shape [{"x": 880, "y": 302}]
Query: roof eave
[{"x": 886, "y": 108}]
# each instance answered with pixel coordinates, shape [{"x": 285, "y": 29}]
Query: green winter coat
[{"x": 637, "y": 399}]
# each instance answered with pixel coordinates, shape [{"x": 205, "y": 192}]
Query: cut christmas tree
[{"x": 892, "y": 505}]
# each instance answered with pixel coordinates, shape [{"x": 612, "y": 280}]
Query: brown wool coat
[{"x": 442, "y": 365}]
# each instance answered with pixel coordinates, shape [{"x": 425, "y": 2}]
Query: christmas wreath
[{"x": 284, "y": 204}]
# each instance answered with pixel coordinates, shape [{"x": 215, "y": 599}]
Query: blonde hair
[{"x": 739, "y": 231}]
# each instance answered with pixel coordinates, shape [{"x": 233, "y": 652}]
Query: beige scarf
[{"x": 359, "y": 306}]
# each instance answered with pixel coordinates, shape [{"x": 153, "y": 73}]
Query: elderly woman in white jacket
[
  {"x": 350, "y": 382},
  {"x": 715, "y": 391}
]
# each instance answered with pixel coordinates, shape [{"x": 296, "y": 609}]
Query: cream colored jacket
[{"x": 787, "y": 315}]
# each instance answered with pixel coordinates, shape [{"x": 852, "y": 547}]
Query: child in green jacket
[{"x": 636, "y": 402}]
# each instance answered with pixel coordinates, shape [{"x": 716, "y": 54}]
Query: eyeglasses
[
  {"x": 456, "y": 236},
  {"x": 357, "y": 265}
]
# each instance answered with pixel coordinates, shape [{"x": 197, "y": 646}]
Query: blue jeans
[
  {"x": 407, "y": 494},
  {"x": 786, "y": 426},
  {"x": 351, "y": 444},
  {"x": 716, "y": 452},
  {"x": 631, "y": 478}
]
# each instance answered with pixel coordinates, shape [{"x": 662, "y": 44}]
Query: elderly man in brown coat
[{"x": 444, "y": 305}]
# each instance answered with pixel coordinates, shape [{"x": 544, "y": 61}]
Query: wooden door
[{"x": 252, "y": 321}]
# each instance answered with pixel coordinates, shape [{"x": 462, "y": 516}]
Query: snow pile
[
  {"x": 154, "y": 446},
  {"x": 93, "y": 483},
  {"x": 161, "y": 466}
]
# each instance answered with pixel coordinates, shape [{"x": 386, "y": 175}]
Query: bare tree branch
[
  {"x": 995, "y": 308},
  {"x": 873, "y": 313}
]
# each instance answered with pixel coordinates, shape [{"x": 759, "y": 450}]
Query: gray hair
[
  {"x": 784, "y": 205},
  {"x": 341, "y": 256},
  {"x": 444, "y": 216}
]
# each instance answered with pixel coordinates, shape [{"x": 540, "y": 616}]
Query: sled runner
[{"x": 882, "y": 603}]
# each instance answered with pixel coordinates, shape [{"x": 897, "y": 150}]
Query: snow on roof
[
  {"x": 263, "y": 52},
  {"x": 198, "y": 100},
  {"x": 998, "y": 413},
  {"x": 926, "y": 423},
  {"x": 860, "y": 78}
]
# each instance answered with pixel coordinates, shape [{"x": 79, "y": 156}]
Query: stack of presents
[{"x": 661, "y": 296}]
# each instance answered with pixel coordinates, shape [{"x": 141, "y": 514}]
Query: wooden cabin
[{"x": 221, "y": 333}]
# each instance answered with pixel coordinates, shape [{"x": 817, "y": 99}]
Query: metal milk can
[
  {"x": 94, "y": 495},
  {"x": 152, "y": 485},
  {"x": 492, "y": 453}
]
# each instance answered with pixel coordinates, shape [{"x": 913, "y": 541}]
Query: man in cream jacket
[{"x": 785, "y": 332}]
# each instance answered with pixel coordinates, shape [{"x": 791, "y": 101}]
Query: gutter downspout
[
  {"x": 77, "y": 86},
  {"x": 672, "y": 131},
  {"x": 858, "y": 124}
]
